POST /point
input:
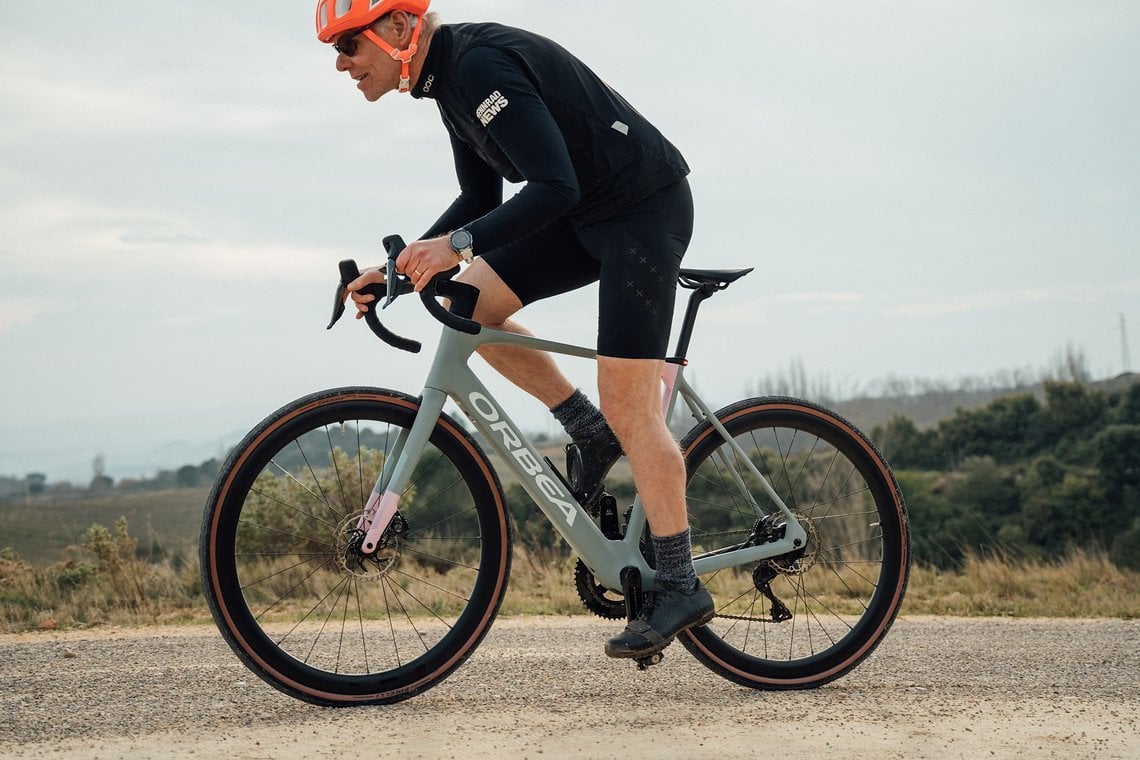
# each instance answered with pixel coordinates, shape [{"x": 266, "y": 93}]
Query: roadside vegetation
[
  {"x": 1027, "y": 506},
  {"x": 108, "y": 581},
  {"x": 1023, "y": 478}
]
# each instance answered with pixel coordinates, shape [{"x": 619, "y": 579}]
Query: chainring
[{"x": 597, "y": 598}]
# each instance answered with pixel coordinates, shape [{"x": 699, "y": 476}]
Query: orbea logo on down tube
[{"x": 523, "y": 455}]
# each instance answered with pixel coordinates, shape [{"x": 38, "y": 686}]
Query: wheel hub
[
  {"x": 353, "y": 561},
  {"x": 801, "y": 560}
]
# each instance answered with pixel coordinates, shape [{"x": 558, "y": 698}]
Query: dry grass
[
  {"x": 118, "y": 588},
  {"x": 541, "y": 587},
  {"x": 78, "y": 594},
  {"x": 1081, "y": 585}
]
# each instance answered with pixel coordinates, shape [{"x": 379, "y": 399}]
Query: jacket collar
[{"x": 428, "y": 84}]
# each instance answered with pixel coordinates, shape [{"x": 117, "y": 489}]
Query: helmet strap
[{"x": 403, "y": 56}]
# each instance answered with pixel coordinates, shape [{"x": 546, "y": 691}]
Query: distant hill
[{"x": 928, "y": 408}]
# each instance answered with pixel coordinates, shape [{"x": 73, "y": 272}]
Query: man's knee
[
  {"x": 630, "y": 394},
  {"x": 497, "y": 302}
]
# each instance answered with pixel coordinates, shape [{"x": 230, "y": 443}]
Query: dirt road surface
[{"x": 540, "y": 688}]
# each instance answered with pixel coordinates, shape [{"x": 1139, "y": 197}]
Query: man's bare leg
[
  {"x": 536, "y": 373},
  {"x": 631, "y": 401},
  {"x": 630, "y": 392},
  {"x": 533, "y": 371}
]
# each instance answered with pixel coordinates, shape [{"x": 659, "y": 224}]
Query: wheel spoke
[
  {"x": 837, "y": 588},
  {"x": 289, "y": 583}
]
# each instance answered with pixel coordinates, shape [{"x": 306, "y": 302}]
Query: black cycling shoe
[
  {"x": 589, "y": 461},
  {"x": 668, "y": 610}
]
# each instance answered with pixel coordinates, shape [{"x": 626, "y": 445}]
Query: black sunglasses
[{"x": 347, "y": 42}]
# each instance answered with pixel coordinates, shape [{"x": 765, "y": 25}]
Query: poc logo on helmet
[{"x": 491, "y": 107}]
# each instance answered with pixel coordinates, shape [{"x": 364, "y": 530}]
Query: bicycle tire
[
  {"x": 845, "y": 590},
  {"x": 304, "y": 612}
]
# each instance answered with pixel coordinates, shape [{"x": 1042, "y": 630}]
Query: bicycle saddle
[{"x": 695, "y": 278}]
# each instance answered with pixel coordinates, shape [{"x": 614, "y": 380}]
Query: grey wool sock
[
  {"x": 579, "y": 417},
  {"x": 674, "y": 559}
]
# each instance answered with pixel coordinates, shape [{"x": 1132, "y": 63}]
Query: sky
[{"x": 933, "y": 190}]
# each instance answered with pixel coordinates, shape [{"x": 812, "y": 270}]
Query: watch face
[{"x": 461, "y": 240}]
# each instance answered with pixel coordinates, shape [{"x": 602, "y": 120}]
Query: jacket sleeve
[{"x": 480, "y": 189}]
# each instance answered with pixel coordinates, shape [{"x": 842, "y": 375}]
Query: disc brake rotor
[
  {"x": 802, "y": 560},
  {"x": 369, "y": 567}
]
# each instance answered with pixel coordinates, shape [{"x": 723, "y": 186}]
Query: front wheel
[
  {"x": 803, "y": 619},
  {"x": 282, "y": 566}
]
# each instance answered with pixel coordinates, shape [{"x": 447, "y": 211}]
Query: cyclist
[{"x": 606, "y": 200}]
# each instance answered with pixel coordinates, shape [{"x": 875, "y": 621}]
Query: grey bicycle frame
[{"x": 451, "y": 377}]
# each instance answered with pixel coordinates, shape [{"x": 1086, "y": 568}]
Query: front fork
[{"x": 384, "y": 500}]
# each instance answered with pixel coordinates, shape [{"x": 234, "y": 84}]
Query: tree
[
  {"x": 985, "y": 488},
  {"x": 1126, "y": 548},
  {"x": 1129, "y": 411},
  {"x": 1071, "y": 512},
  {"x": 942, "y": 529},
  {"x": 1007, "y": 429},
  {"x": 905, "y": 447},
  {"x": 101, "y": 481},
  {"x": 187, "y": 476},
  {"x": 1072, "y": 412},
  {"x": 37, "y": 482},
  {"x": 1117, "y": 459}
]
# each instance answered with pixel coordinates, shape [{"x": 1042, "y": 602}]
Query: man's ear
[{"x": 401, "y": 22}]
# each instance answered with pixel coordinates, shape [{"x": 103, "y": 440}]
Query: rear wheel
[
  {"x": 286, "y": 580},
  {"x": 809, "y": 617}
]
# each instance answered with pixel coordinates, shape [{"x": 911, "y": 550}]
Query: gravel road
[{"x": 541, "y": 688}]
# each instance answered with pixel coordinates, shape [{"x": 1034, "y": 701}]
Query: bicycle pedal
[{"x": 648, "y": 661}]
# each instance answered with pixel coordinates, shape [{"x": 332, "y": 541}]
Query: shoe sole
[{"x": 625, "y": 654}]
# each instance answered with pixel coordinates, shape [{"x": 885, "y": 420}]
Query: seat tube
[{"x": 671, "y": 377}]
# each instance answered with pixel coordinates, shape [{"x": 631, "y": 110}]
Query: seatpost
[{"x": 700, "y": 294}]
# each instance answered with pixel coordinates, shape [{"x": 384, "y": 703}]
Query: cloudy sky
[{"x": 935, "y": 190}]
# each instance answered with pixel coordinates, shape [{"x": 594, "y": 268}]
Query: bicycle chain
[
  {"x": 745, "y": 618},
  {"x": 750, "y": 619},
  {"x": 737, "y": 532}
]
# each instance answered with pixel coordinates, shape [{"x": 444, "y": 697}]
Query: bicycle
[{"x": 357, "y": 544}]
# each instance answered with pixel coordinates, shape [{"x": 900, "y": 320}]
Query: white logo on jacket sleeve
[{"x": 491, "y": 107}]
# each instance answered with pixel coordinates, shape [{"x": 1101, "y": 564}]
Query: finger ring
[{"x": 416, "y": 272}]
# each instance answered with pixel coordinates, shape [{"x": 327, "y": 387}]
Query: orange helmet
[{"x": 335, "y": 17}]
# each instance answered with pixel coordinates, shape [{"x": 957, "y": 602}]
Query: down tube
[{"x": 604, "y": 557}]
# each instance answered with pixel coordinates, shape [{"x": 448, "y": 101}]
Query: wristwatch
[{"x": 461, "y": 242}]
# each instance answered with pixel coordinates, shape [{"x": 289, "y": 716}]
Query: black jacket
[{"x": 518, "y": 106}]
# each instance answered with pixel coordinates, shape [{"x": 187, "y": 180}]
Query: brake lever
[
  {"x": 392, "y": 280},
  {"x": 395, "y": 245},
  {"x": 338, "y": 304},
  {"x": 348, "y": 273}
]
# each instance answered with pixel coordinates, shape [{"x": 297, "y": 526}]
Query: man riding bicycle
[{"x": 606, "y": 200}]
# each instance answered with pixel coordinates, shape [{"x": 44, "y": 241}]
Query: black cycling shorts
[{"x": 635, "y": 257}]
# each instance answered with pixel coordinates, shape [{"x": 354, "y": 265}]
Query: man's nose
[{"x": 342, "y": 62}]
